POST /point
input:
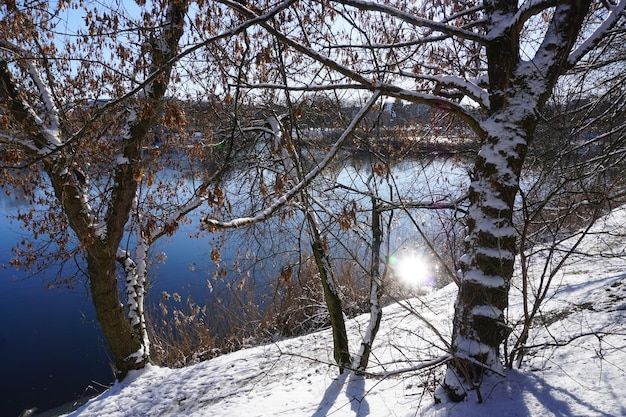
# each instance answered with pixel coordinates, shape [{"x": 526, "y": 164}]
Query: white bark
[{"x": 136, "y": 273}]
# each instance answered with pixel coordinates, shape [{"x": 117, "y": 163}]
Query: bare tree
[
  {"x": 38, "y": 121},
  {"x": 504, "y": 57},
  {"x": 575, "y": 165},
  {"x": 493, "y": 65},
  {"x": 82, "y": 108}
]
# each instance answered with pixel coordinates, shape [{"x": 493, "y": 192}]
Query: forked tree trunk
[
  {"x": 518, "y": 90},
  {"x": 101, "y": 237},
  {"x": 124, "y": 340}
]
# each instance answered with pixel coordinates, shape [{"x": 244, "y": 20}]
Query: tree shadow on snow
[
  {"x": 558, "y": 400},
  {"x": 525, "y": 394},
  {"x": 354, "y": 391}
]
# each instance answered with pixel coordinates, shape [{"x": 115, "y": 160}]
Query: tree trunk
[
  {"x": 123, "y": 340},
  {"x": 517, "y": 93},
  {"x": 331, "y": 296},
  {"x": 376, "y": 291},
  {"x": 125, "y": 334},
  {"x": 487, "y": 267},
  {"x": 291, "y": 163}
]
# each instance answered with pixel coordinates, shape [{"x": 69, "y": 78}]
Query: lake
[{"x": 53, "y": 350}]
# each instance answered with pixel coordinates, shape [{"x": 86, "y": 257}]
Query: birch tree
[{"x": 492, "y": 64}]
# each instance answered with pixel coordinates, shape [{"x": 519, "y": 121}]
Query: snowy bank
[{"x": 575, "y": 365}]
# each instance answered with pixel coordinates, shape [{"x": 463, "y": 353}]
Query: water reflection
[{"x": 53, "y": 334}]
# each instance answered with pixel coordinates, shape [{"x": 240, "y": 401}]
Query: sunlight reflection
[{"x": 413, "y": 269}]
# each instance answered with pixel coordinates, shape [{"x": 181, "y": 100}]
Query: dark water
[{"x": 53, "y": 351}]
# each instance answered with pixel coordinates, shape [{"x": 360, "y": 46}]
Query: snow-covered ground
[{"x": 577, "y": 366}]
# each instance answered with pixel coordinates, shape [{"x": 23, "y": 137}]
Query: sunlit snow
[{"x": 575, "y": 364}]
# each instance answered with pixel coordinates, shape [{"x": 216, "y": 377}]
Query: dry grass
[{"x": 184, "y": 332}]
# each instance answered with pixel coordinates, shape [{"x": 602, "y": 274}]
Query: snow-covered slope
[{"x": 576, "y": 367}]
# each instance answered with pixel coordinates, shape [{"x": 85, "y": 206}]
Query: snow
[
  {"x": 575, "y": 364},
  {"x": 100, "y": 227},
  {"x": 136, "y": 273},
  {"x": 491, "y": 281},
  {"x": 478, "y": 94},
  {"x": 616, "y": 11},
  {"x": 51, "y": 132},
  {"x": 122, "y": 160},
  {"x": 487, "y": 311},
  {"x": 127, "y": 134}
]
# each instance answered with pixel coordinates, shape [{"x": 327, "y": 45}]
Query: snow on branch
[
  {"x": 527, "y": 10},
  {"x": 45, "y": 137},
  {"x": 265, "y": 214},
  {"x": 445, "y": 204},
  {"x": 410, "y": 18},
  {"x": 437, "y": 102},
  {"x": 424, "y": 365},
  {"x": 52, "y": 132},
  {"x": 615, "y": 14},
  {"x": 470, "y": 89}
]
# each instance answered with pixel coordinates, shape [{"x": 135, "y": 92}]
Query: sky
[{"x": 575, "y": 366}]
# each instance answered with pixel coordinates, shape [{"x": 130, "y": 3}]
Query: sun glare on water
[{"x": 412, "y": 269}]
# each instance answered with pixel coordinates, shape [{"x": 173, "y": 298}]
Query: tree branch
[
  {"x": 615, "y": 14},
  {"x": 444, "y": 28},
  {"x": 369, "y": 84},
  {"x": 139, "y": 120},
  {"x": 23, "y": 113},
  {"x": 265, "y": 214}
]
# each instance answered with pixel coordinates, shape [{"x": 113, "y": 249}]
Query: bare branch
[
  {"x": 263, "y": 215},
  {"x": 450, "y": 31},
  {"x": 369, "y": 84}
]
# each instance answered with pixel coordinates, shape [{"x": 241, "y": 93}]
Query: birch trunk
[{"x": 376, "y": 291}]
